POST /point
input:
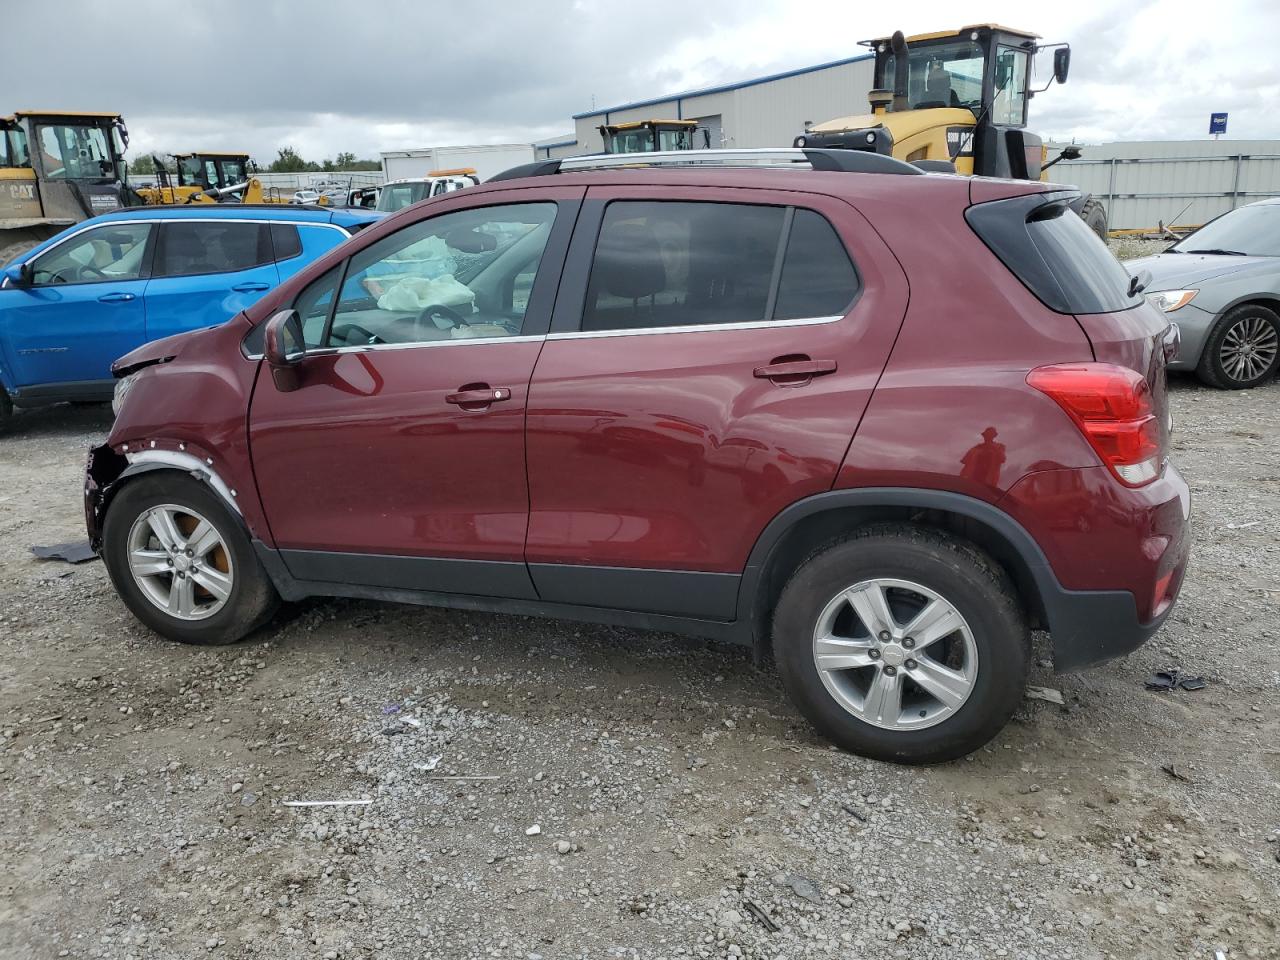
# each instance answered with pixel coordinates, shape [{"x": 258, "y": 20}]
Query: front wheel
[
  {"x": 182, "y": 563},
  {"x": 902, "y": 644},
  {"x": 1243, "y": 349}
]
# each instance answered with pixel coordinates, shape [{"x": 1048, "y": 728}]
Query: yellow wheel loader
[
  {"x": 957, "y": 101},
  {"x": 207, "y": 178},
  {"x": 58, "y": 168}
]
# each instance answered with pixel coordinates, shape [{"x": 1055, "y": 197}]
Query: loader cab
[
  {"x": 649, "y": 136},
  {"x": 212, "y": 171},
  {"x": 61, "y": 168},
  {"x": 961, "y": 96},
  {"x": 983, "y": 69}
]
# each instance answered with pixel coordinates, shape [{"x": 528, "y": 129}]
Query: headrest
[{"x": 629, "y": 261}]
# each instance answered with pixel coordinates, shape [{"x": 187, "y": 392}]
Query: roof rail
[{"x": 842, "y": 161}]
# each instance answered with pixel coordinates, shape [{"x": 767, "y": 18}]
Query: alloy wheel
[
  {"x": 180, "y": 562},
  {"x": 1248, "y": 348},
  {"x": 895, "y": 654}
]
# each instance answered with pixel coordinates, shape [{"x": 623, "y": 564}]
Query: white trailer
[{"x": 486, "y": 159}]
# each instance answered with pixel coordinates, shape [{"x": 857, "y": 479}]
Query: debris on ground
[
  {"x": 1173, "y": 678},
  {"x": 1174, "y": 772},
  {"x": 1047, "y": 694},
  {"x": 803, "y": 887},
  {"x": 757, "y": 913},
  {"x": 326, "y": 803},
  {"x": 77, "y": 551}
]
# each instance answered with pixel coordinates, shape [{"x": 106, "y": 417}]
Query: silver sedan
[{"x": 1221, "y": 285}]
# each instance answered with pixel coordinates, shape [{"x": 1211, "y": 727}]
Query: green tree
[
  {"x": 288, "y": 161},
  {"x": 343, "y": 161}
]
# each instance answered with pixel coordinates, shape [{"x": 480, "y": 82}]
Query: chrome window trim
[
  {"x": 89, "y": 225},
  {"x": 694, "y": 328},
  {"x": 370, "y": 347}
]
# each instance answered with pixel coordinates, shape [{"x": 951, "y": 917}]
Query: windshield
[
  {"x": 941, "y": 74},
  {"x": 1252, "y": 231},
  {"x": 233, "y": 172},
  {"x": 191, "y": 172},
  {"x": 638, "y": 140},
  {"x": 75, "y": 153},
  {"x": 397, "y": 196},
  {"x": 674, "y": 140}
]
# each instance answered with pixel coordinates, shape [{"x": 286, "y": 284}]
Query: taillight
[{"x": 1112, "y": 407}]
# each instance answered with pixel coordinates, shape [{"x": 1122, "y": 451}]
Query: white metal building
[{"x": 765, "y": 112}]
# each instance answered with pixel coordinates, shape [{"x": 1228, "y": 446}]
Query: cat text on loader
[
  {"x": 56, "y": 169},
  {"x": 957, "y": 98}
]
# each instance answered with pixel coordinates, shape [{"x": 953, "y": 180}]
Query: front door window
[
  {"x": 451, "y": 277},
  {"x": 112, "y": 252}
]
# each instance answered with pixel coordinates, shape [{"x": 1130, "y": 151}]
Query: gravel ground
[{"x": 631, "y": 795}]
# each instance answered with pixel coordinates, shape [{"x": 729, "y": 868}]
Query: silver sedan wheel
[
  {"x": 895, "y": 654},
  {"x": 1249, "y": 348},
  {"x": 180, "y": 563}
]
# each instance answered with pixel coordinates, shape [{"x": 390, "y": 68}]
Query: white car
[{"x": 305, "y": 196}]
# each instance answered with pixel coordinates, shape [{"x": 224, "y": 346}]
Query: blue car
[{"x": 73, "y": 304}]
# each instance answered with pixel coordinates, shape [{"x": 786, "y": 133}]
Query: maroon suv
[{"x": 878, "y": 422}]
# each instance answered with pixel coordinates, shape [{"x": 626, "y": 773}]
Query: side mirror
[
  {"x": 283, "y": 348},
  {"x": 1071, "y": 152},
  {"x": 1061, "y": 63},
  {"x": 19, "y": 275}
]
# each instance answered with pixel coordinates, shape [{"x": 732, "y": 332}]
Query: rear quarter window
[
  {"x": 1053, "y": 253},
  {"x": 285, "y": 239}
]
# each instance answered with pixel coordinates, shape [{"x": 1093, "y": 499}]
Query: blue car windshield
[{"x": 1252, "y": 231}]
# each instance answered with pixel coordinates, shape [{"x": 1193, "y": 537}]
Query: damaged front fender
[{"x": 107, "y": 469}]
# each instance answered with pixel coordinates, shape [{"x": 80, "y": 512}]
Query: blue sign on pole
[{"x": 1217, "y": 123}]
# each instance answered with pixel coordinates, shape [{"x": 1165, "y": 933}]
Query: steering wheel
[
  {"x": 346, "y": 330},
  {"x": 85, "y": 268},
  {"x": 439, "y": 310}
]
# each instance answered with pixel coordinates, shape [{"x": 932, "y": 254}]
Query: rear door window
[
  {"x": 662, "y": 264},
  {"x": 212, "y": 246}
]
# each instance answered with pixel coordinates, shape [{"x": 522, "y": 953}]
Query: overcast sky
[{"x": 324, "y": 76}]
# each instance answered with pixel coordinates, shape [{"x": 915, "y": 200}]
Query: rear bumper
[
  {"x": 1092, "y": 626},
  {"x": 1116, "y": 557}
]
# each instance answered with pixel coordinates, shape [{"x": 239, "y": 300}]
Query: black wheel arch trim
[{"x": 1087, "y": 626}]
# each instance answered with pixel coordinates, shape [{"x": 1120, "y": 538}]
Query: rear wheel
[
  {"x": 182, "y": 563},
  {"x": 1094, "y": 214},
  {"x": 1243, "y": 348},
  {"x": 902, "y": 644}
]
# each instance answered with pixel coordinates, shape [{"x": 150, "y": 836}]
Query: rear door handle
[
  {"x": 251, "y": 287},
  {"x": 795, "y": 370},
  {"x": 116, "y": 298},
  {"x": 478, "y": 396}
]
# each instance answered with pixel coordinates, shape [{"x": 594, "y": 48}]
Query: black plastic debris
[
  {"x": 1165, "y": 680},
  {"x": 757, "y": 913},
  {"x": 78, "y": 551}
]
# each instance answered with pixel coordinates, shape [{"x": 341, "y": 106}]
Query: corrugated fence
[{"x": 1172, "y": 183}]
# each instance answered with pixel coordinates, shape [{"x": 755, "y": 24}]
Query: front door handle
[
  {"x": 794, "y": 369},
  {"x": 251, "y": 287},
  {"x": 116, "y": 298},
  {"x": 478, "y": 396}
]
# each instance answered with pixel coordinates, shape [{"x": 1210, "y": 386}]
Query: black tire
[
  {"x": 967, "y": 579},
  {"x": 1094, "y": 215},
  {"x": 6, "y": 406},
  {"x": 1214, "y": 370},
  {"x": 251, "y": 599}
]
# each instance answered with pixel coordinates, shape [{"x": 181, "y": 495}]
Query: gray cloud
[{"x": 325, "y": 76}]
